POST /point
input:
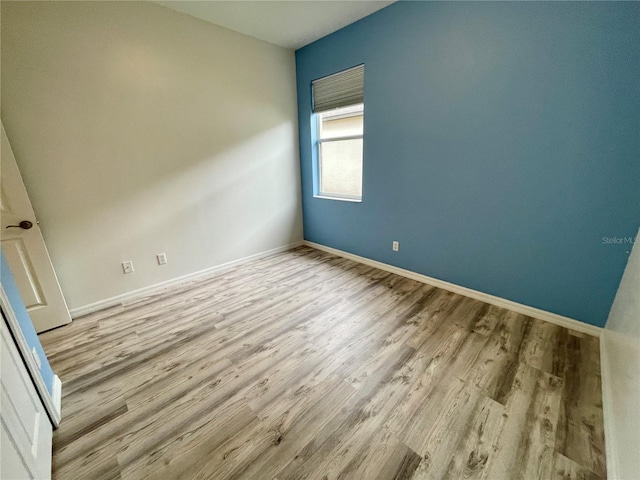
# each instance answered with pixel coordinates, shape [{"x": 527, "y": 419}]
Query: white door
[
  {"x": 24, "y": 248},
  {"x": 25, "y": 430}
]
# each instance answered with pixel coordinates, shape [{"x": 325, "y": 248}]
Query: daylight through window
[{"x": 340, "y": 152}]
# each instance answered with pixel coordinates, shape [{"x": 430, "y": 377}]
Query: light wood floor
[{"x": 306, "y": 365}]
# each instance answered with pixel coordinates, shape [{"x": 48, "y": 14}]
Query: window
[
  {"x": 340, "y": 152},
  {"x": 338, "y": 105}
]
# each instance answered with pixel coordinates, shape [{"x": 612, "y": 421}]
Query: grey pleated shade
[{"x": 338, "y": 90}]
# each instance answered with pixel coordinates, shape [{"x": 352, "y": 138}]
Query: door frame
[{"x": 52, "y": 402}]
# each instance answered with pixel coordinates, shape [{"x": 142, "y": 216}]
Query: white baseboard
[
  {"x": 554, "y": 318},
  {"x": 142, "y": 292},
  {"x": 607, "y": 408},
  {"x": 57, "y": 394}
]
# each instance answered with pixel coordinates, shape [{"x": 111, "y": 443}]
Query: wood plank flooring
[{"x": 304, "y": 365}]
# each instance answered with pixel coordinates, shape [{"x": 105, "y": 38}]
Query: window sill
[{"x": 340, "y": 199}]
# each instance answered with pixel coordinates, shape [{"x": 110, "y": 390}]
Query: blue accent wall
[
  {"x": 11, "y": 289},
  {"x": 502, "y": 146}
]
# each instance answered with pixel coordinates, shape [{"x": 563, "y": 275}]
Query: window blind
[{"x": 338, "y": 90}]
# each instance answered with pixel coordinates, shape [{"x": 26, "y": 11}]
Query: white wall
[
  {"x": 141, "y": 130},
  {"x": 620, "y": 350}
]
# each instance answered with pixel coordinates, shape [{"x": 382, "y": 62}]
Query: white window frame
[{"x": 320, "y": 141}]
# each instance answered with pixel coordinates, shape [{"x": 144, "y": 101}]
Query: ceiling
[{"x": 290, "y": 24}]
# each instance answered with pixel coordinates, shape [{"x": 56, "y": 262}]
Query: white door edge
[
  {"x": 57, "y": 395},
  {"x": 52, "y": 407}
]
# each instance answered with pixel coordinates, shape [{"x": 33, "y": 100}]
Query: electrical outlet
[
  {"x": 162, "y": 258},
  {"x": 127, "y": 267},
  {"x": 395, "y": 246}
]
